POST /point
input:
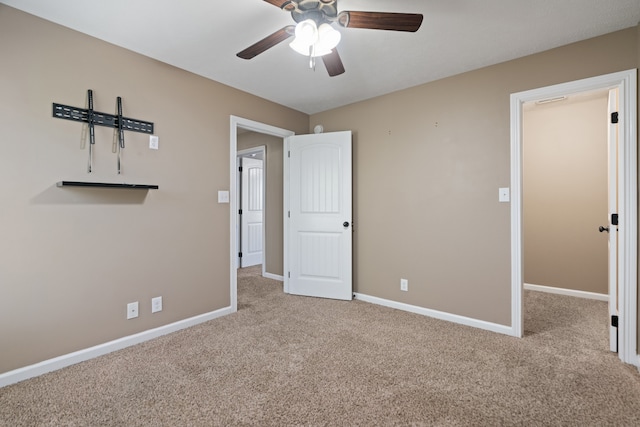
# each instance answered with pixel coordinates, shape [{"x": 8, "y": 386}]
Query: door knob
[
  {"x": 603, "y": 229},
  {"x": 345, "y": 224}
]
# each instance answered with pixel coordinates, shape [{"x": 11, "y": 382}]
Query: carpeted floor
[{"x": 284, "y": 360}]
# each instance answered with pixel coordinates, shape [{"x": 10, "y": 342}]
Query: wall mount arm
[
  {"x": 94, "y": 118},
  {"x": 76, "y": 114}
]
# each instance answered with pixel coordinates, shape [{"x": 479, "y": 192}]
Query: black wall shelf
[{"x": 106, "y": 185}]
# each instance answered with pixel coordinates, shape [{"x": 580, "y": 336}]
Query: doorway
[
  {"x": 237, "y": 126},
  {"x": 565, "y": 201},
  {"x": 626, "y": 188},
  {"x": 565, "y": 195}
]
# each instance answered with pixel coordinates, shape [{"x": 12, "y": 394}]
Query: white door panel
[
  {"x": 251, "y": 218},
  {"x": 319, "y": 256},
  {"x": 320, "y": 223}
]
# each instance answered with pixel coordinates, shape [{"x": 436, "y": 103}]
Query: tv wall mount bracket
[{"x": 94, "y": 118}]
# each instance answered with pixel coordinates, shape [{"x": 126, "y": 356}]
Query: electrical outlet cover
[{"x": 132, "y": 310}]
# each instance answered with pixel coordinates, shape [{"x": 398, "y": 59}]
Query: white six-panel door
[{"x": 319, "y": 248}]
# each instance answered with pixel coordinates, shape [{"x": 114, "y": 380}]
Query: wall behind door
[
  {"x": 565, "y": 193},
  {"x": 273, "y": 198}
]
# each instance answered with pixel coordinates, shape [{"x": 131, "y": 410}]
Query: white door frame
[
  {"x": 625, "y": 81},
  {"x": 235, "y": 123},
  {"x": 243, "y": 153}
]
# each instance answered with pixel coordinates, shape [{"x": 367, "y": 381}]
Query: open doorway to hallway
[
  {"x": 270, "y": 148},
  {"x": 245, "y": 134},
  {"x": 565, "y": 194},
  {"x": 565, "y": 201}
]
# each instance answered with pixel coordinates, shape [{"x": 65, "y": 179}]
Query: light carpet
[{"x": 284, "y": 360}]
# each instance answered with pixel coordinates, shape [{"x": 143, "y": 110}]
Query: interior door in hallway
[
  {"x": 319, "y": 249},
  {"x": 251, "y": 229}
]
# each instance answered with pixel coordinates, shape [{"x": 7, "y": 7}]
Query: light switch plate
[
  {"x": 156, "y": 304},
  {"x": 503, "y": 195},
  {"x": 223, "y": 196},
  {"x": 153, "y": 142}
]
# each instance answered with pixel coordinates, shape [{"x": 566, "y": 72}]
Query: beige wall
[
  {"x": 71, "y": 259},
  {"x": 427, "y": 165},
  {"x": 273, "y": 196},
  {"x": 428, "y": 162},
  {"x": 565, "y": 193}
]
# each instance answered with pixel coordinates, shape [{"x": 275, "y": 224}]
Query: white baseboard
[
  {"x": 273, "y": 276},
  {"x": 569, "y": 292},
  {"x": 63, "y": 361},
  {"x": 481, "y": 324}
]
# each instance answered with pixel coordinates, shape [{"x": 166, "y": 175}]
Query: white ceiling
[{"x": 456, "y": 36}]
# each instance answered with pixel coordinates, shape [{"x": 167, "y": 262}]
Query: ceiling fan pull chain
[{"x": 312, "y": 58}]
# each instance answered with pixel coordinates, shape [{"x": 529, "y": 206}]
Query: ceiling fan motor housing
[{"x": 323, "y": 11}]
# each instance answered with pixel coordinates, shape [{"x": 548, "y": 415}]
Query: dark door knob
[
  {"x": 345, "y": 224},
  {"x": 603, "y": 229}
]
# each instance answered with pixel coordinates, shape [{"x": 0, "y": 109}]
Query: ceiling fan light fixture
[
  {"x": 308, "y": 50},
  {"x": 313, "y": 41},
  {"x": 301, "y": 47},
  {"x": 306, "y": 32},
  {"x": 328, "y": 38},
  {"x": 315, "y": 36}
]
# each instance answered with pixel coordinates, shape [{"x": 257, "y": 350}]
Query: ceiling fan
[{"x": 315, "y": 35}]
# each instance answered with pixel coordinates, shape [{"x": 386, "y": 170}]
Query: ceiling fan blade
[
  {"x": 333, "y": 63},
  {"x": 267, "y": 42},
  {"x": 282, "y": 4},
  {"x": 381, "y": 20}
]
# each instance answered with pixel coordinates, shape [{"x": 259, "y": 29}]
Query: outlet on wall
[
  {"x": 404, "y": 285},
  {"x": 156, "y": 304},
  {"x": 132, "y": 310}
]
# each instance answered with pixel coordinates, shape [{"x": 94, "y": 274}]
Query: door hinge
[
  {"x": 239, "y": 254},
  {"x": 289, "y": 214},
  {"x": 614, "y": 321},
  {"x": 239, "y": 168},
  {"x": 239, "y": 211},
  {"x": 614, "y": 219},
  {"x": 614, "y": 117},
  {"x": 289, "y": 275},
  {"x": 288, "y": 153}
]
